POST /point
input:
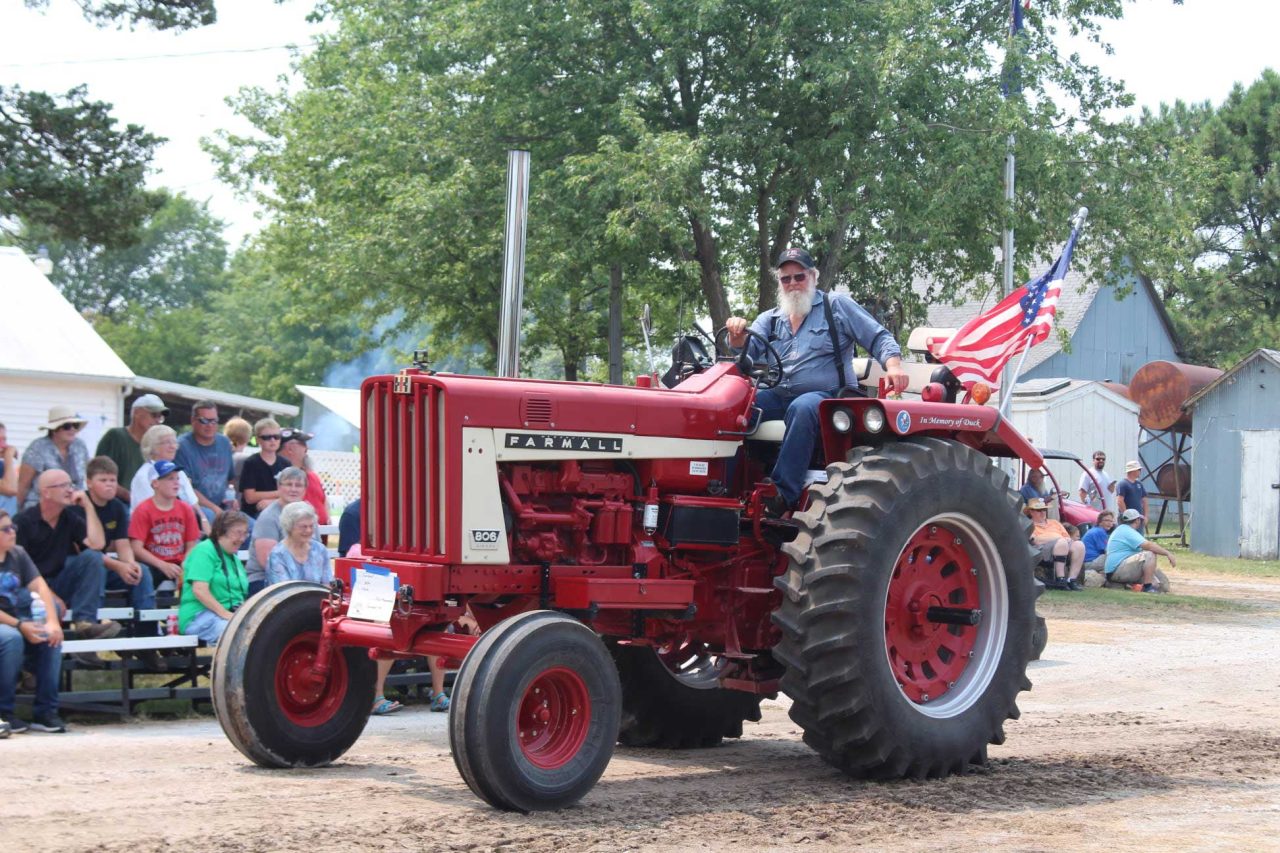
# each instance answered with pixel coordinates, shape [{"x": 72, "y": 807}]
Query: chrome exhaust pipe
[{"x": 513, "y": 263}]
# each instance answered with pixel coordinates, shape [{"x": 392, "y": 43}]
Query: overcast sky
[{"x": 176, "y": 84}]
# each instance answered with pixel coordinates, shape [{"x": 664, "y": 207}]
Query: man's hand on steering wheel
[{"x": 764, "y": 374}]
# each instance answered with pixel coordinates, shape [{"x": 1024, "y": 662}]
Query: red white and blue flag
[{"x": 979, "y": 350}]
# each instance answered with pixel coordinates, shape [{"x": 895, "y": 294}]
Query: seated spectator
[
  {"x": 1072, "y": 531},
  {"x": 66, "y": 546},
  {"x": 238, "y": 431},
  {"x": 1056, "y": 546},
  {"x": 266, "y": 531},
  {"x": 206, "y": 456},
  {"x": 161, "y": 443},
  {"x": 293, "y": 447},
  {"x": 298, "y": 556},
  {"x": 349, "y": 527},
  {"x": 163, "y": 529},
  {"x": 58, "y": 450},
  {"x": 1131, "y": 557},
  {"x": 124, "y": 444},
  {"x": 213, "y": 579},
  {"x": 1095, "y": 541},
  {"x": 8, "y": 474},
  {"x": 123, "y": 571},
  {"x": 258, "y": 484},
  {"x": 1036, "y": 487},
  {"x": 37, "y": 645}
]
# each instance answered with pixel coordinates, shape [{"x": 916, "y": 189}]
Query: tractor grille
[{"x": 403, "y": 452}]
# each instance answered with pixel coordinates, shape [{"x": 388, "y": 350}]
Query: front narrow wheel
[
  {"x": 535, "y": 713},
  {"x": 265, "y": 694}
]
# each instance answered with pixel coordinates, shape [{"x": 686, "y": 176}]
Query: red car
[{"x": 1071, "y": 510}]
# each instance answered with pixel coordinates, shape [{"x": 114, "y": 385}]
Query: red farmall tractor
[{"x": 614, "y": 547}]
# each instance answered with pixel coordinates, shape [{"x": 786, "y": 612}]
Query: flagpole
[{"x": 1006, "y": 249}]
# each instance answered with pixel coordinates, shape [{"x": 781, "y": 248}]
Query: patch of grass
[
  {"x": 1138, "y": 603},
  {"x": 1192, "y": 561}
]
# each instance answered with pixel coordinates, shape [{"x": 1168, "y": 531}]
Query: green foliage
[
  {"x": 1223, "y": 288},
  {"x": 165, "y": 344},
  {"x": 65, "y": 167},
  {"x": 179, "y": 257},
  {"x": 159, "y": 14},
  {"x": 684, "y": 143}
]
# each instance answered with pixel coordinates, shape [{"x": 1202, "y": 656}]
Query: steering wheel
[{"x": 763, "y": 374}]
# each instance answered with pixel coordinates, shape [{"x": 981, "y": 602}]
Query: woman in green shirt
[{"x": 213, "y": 579}]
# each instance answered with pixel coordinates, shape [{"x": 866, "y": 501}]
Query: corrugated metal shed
[
  {"x": 1236, "y": 426},
  {"x": 1080, "y": 417}
]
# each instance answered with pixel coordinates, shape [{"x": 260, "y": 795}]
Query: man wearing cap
[
  {"x": 65, "y": 545},
  {"x": 1131, "y": 494},
  {"x": 123, "y": 445},
  {"x": 58, "y": 449},
  {"x": 206, "y": 455},
  {"x": 163, "y": 529},
  {"x": 293, "y": 447},
  {"x": 1131, "y": 557},
  {"x": 816, "y": 335},
  {"x": 1056, "y": 546}
]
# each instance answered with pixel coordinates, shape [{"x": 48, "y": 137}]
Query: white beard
[{"x": 797, "y": 304}]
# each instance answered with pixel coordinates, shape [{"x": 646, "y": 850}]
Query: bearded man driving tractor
[{"x": 817, "y": 335}]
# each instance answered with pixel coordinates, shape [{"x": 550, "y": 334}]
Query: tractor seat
[{"x": 769, "y": 431}]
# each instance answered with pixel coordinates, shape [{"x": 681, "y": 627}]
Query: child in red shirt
[{"x": 163, "y": 529}]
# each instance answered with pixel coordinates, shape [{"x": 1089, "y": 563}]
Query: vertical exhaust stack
[{"x": 513, "y": 263}]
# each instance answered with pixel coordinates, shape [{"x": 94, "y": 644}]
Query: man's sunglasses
[
  {"x": 207, "y": 421},
  {"x": 275, "y": 436},
  {"x": 69, "y": 427},
  {"x": 798, "y": 278}
]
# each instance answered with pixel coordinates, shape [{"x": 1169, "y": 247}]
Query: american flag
[{"x": 979, "y": 350}]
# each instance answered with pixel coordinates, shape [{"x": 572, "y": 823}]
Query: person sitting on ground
[
  {"x": 258, "y": 484},
  {"x": 25, "y": 641},
  {"x": 1095, "y": 541},
  {"x": 206, "y": 455},
  {"x": 66, "y": 545},
  {"x": 1072, "y": 531},
  {"x": 58, "y": 450},
  {"x": 124, "y": 444},
  {"x": 238, "y": 431},
  {"x": 298, "y": 556},
  {"x": 266, "y": 532},
  {"x": 161, "y": 443},
  {"x": 163, "y": 529},
  {"x": 213, "y": 579},
  {"x": 8, "y": 474},
  {"x": 293, "y": 447},
  {"x": 1131, "y": 557},
  {"x": 1056, "y": 546}
]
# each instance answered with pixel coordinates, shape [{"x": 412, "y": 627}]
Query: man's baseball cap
[
  {"x": 164, "y": 468},
  {"x": 1129, "y": 515},
  {"x": 795, "y": 256},
  {"x": 289, "y": 434},
  {"x": 151, "y": 403},
  {"x": 1131, "y": 465},
  {"x": 1037, "y": 503}
]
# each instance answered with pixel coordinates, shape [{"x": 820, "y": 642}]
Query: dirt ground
[{"x": 1139, "y": 735}]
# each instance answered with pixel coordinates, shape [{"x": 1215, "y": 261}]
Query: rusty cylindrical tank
[
  {"x": 1161, "y": 387},
  {"x": 1174, "y": 481}
]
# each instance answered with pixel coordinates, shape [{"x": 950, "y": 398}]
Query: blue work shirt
[
  {"x": 808, "y": 362},
  {"x": 1095, "y": 543}
]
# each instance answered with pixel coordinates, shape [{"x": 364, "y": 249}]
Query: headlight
[
  {"x": 842, "y": 420},
  {"x": 873, "y": 419}
]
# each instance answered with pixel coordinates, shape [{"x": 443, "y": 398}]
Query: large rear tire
[
  {"x": 262, "y": 694},
  {"x": 535, "y": 712},
  {"x": 882, "y": 688},
  {"x": 678, "y": 708}
]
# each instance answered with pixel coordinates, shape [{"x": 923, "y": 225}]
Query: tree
[
  {"x": 160, "y": 14},
  {"x": 66, "y": 168},
  {"x": 179, "y": 258},
  {"x": 684, "y": 142},
  {"x": 166, "y": 344},
  {"x": 1224, "y": 290}
]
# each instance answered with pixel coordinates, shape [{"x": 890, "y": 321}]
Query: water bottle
[
  {"x": 38, "y": 613},
  {"x": 229, "y": 497}
]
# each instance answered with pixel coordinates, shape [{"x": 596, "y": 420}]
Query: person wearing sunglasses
[
  {"x": 1089, "y": 490},
  {"x": 816, "y": 334},
  {"x": 206, "y": 455},
  {"x": 258, "y": 484},
  {"x": 123, "y": 445},
  {"x": 58, "y": 449}
]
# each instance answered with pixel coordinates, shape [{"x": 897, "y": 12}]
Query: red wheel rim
[
  {"x": 553, "y": 718},
  {"x": 304, "y": 700},
  {"x": 933, "y": 570}
]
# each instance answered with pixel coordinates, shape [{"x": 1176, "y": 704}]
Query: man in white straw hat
[
  {"x": 59, "y": 448},
  {"x": 1131, "y": 494}
]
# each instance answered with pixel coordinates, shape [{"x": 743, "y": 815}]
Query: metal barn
[
  {"x": 1235, "y": 476},
  {"x": 1078, "y": 416}
]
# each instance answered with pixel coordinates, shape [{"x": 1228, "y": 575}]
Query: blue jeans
[
  {"x": 800, "y": 414},
  {"x": 206, "y": 626},
  {"x": 142, "y": 595},
  {"x": 81, "y": 584},
  {"x": 42, "y": 660}
]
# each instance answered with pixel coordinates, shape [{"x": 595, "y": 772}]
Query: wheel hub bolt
[
  {"x": 950, "y": 684},
  {"x": 955, "y": 541},
  {"x": 924, "y": 697}
]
